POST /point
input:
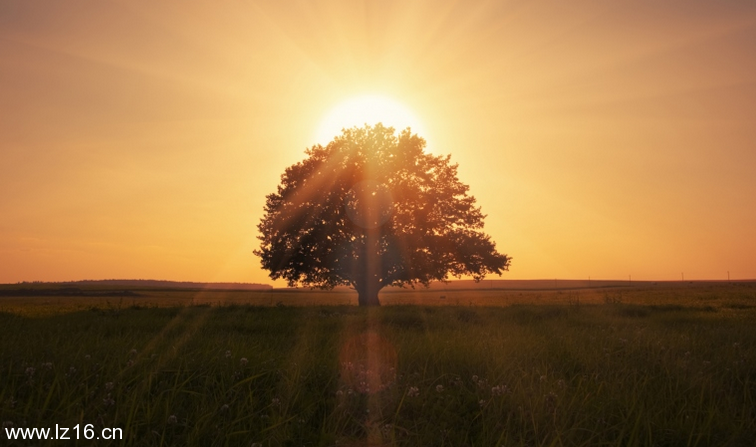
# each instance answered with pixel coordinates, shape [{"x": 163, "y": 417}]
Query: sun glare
[{"x": 367, "y": 109}]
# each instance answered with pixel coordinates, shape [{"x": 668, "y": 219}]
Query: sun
[{"x": 371, "y": 110}]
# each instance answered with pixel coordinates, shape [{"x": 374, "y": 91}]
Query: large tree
[{"x": 372, "y": 209}]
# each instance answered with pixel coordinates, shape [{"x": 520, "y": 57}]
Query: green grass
[{"x": 618, "y": 374}]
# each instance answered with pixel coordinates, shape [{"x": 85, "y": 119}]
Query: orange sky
[{"x": 602, "y": 139}]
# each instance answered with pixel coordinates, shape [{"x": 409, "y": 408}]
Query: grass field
[{"x": 651, "y": 364}]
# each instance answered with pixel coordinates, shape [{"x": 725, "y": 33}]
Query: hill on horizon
[{"x": 163, "y": 284}]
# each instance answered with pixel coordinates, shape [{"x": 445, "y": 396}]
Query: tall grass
[{"x": 536, "y": 375}]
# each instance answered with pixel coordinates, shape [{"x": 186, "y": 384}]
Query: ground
[{"x": 633, "y": 364}]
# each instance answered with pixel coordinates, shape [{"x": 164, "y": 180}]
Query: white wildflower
[{"x": 499, "y": 390}]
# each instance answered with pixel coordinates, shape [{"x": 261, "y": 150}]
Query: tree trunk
[
  {"x": 367, "y": 292},
  {"x": 367, "y": 297},
  {"x": 370, "y": 282}
]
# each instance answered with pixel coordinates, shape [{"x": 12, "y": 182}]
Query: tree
[{"x": 371, "y": 210}]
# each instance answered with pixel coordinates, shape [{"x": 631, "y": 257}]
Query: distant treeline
[
  {"x": 176, "y": 284},
  {"x": 65, "y": 291},
  {"x": 553, "y": 284},
  {"x": 153, "y": 284}
]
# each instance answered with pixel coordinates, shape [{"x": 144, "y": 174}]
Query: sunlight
[{"x": 367, "y": 109}]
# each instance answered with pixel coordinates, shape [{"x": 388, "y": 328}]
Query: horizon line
[{"x": 542, "y": 279}]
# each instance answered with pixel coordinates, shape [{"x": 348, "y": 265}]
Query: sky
[{"x": 602, "y": 139}]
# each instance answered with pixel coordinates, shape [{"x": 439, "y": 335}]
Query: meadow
[{"x": 645, "y": 364}]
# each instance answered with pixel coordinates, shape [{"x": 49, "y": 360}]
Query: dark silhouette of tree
[{"x": 370, "y": 210}]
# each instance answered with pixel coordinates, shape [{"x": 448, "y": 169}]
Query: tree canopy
[{"x": 372, "y": 209}]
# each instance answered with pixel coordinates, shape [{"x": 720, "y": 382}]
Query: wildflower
[
  {"x": 499, "y": 390},
  {"x": 735, "y": 345},
  {"x": 439, "y": 388},
  {"x": 224, "y": 408},
  {"x": 47, "y": 365},
  {"x": 172, "y": 419},
  {"x": 87, "y": 357},
  {"x": 482, "y": 403},
  {"x": 133, "y": 352},
  {"x": 30, "y": 371},
  {"x": 276, "y": 402},
  {"x": 543, "y": 378},
  {"x": 339, "y": 393},
  {"x": 560, "y": 383},
  {"x": 130, "y": 363},
  {"x": 243, "y": 361},
  {"x": 108, "y": 401},
  {"x": 7, "y": 424},
  {"x": 109, "y": 386},
  {"x": 228, "y": 354},
  {"x": 71, "y": 371},
  {"x": 475, "y": 378},
  {"x": 413, "y": 391}
]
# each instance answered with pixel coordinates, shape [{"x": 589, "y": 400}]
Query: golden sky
[{"x": 138, "y": 139}]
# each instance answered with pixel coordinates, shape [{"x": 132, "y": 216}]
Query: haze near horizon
[{"x": 601, "y": 140}]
